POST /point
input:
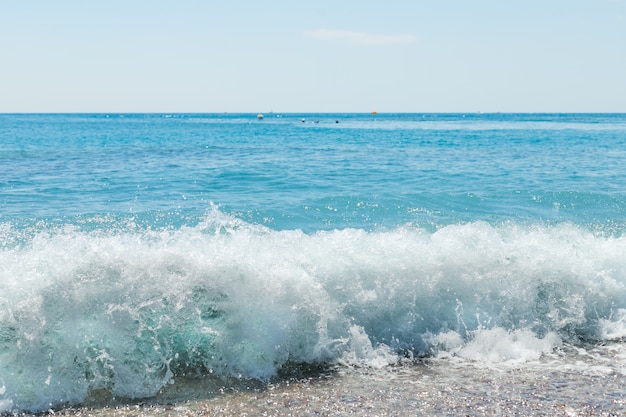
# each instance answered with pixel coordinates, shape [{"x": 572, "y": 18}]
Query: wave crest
[{"x": 128, "y": 310}]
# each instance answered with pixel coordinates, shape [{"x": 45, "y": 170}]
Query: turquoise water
[
  {"x": 135, "y": 249},
  {"x": 332, "y": 171}
]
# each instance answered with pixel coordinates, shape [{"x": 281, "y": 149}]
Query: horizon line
[{"x": 303, "y": 112}]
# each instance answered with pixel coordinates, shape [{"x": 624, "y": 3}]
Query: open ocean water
[{"x": 313, "y": 264}]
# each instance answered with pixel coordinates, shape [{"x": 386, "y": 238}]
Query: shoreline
[{"x": 430, "y": 388}]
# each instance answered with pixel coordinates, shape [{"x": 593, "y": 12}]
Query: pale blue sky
[{"x": 317, "y": 56}]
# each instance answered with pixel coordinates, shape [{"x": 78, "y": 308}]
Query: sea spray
[{"x": 128, "y": 310}]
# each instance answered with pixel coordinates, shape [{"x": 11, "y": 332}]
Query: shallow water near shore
[{"x": 569, "y": 382}]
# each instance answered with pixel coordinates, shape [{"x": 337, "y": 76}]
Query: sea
[{"x": 313, "y": 264}]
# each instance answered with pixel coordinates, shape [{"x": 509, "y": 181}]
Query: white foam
[
  {"x": 499, "y": 345},
  {"x": 126, "y": 309},
  {"x": 361, "y": 352},
  {"x": 614, "y": 328}
]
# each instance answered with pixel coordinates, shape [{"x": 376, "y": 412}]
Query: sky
[{"x": 315, "y": 56}]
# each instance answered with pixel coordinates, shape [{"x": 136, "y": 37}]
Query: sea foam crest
[{"x": 128, "y": 310}]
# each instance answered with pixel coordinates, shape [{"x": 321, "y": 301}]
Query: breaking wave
[{"x": 128, "y": 309}]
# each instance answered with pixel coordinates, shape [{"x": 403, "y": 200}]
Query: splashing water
[{"x": 129, "y": 311}]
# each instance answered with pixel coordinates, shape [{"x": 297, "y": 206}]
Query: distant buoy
[
  {"x": 259, "y": 116},
  {"x": 373, "y": 112}
]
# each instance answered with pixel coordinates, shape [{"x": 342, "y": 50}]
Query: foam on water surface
[{"x": 130, "y": 310}]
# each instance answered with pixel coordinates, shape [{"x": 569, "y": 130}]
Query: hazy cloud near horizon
[{"x": 363, "y": 38}]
